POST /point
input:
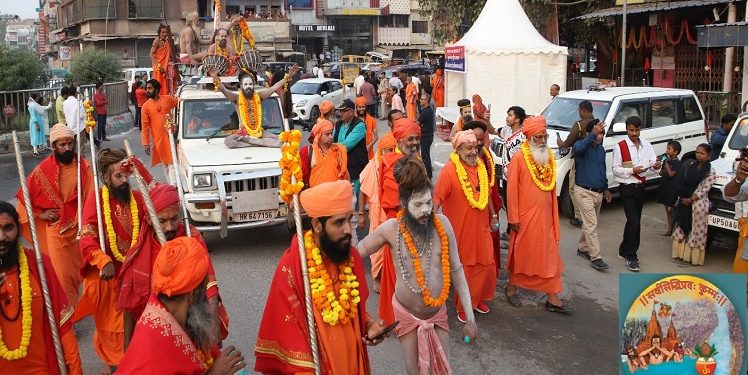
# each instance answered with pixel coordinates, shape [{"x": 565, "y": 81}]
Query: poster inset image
[{"x": 682, "y": 324}]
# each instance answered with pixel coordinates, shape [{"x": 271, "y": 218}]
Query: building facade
[{"x": 21, "y": 35}]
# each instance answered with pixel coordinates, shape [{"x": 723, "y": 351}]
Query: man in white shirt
[
  {"x": 320, "y": 73},
  {"x": 632, "y": 157},
  {"x": 75, "y": 115},
  {"x": 736, "y": 191},
  {"x": 358, "y": 82},
  {"x": 396, "y": 82},
  {"x": 416, "y": 81}
]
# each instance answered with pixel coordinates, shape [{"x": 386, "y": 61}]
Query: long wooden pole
[
  {"x": 305, "y": 276},
  {"x": 52, "y": 319},
  {"x": 175, "y": 163},
  {"x": 147, "y": 199},
  {"x": 79, "y": 172},
  {"x": 97, "y": 196}
]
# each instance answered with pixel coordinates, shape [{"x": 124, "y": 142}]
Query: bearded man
[
  {"x": 153, "y": 122},
  {"x": 371, "y": 125},
  {"x": 463, "y": 192},
  {"x": 323, "y": 161},
  {"x": 174, "y": 335},
  {"x": 188, "y": 39},
  {"x": 419, "y": 305},
  {"x": 53, "y": 189},
  {"x": 122, "y": 212},
  {"x": 134, "y": 280},
  {"x": 532, "y": 211},
  {"x": 220, "y": 46},
  {"x": 161, "y": 55},
  {"x": 37, "y": 352},
  {"x": 466, "y": 115},
  {"x": 248, "y": 102},
  {"x": 282, "y": 345}
]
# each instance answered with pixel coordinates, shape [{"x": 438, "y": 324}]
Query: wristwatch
[{"x": 739, "y": 182}]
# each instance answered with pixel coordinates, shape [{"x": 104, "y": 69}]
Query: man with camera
[{"x": 736, "y": 191}]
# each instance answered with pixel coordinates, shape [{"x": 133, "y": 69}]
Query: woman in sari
[
  {"x": 38, "y": 129},
  {"x": 692, "y": 208}
]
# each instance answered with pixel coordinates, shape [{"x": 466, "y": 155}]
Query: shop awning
[
  {"x": 650, "y": 7},
  {"x": 722, "y": 35}
]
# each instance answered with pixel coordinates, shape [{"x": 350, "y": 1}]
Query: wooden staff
[
  {"x": 147, "y": 199},
  {"x": 95, "y": 170},
  {"x": 40, "y": 266},
  {"x": 305, "y": 275},
  {"x": 79, "y": 172},
  {"x": 175, "y": 164}
]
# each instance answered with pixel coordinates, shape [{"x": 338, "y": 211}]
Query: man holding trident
[{"x": 422, "y": 271}]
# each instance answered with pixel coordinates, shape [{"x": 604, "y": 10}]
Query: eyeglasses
[{"x": 540, "y": 137}]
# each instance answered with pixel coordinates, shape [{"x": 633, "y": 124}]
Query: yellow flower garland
[
  {"x": 90, "y": 121},
  {"x": 22, "y": 350},
  {"x": 110, "y": 227},
  {"x": 290, "y": 163},
  {"x": 333, "y": 310},
  {"x": 222, "y": 51},
  {"x": 467, "y": 189},
  {"x": 544, "y": 176},
  {"x": 490, "y": 167},
  {"x": 253, "y": 128}
]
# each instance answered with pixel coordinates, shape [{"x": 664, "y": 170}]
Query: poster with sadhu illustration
[{"x": 682, "y": 324}]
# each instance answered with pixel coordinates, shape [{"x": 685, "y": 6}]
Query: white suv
[
  {"x": 667, "y": 115},
  {"x": 227, "y": 189}
]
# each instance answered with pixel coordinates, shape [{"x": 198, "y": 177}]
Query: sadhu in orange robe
[
  {"x": 437, "y": 83},
  {"x": 40, "y": 358},
  {"x": 53, "y": 185},
  {"x": 99, "y": 296},
  {"x": 163, "y": 57},
  {"x": 472, "y": 231},
  {"x": 282, "y": 345},
  {"x": 153, "y": 121},
  {"x": 411, "y": 101},
  {"x": 534, "y": 259},
  {"x": 324, "y": 167}
]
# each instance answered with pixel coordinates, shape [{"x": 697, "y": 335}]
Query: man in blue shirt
[
  {"x": 719, "y": 136},
  {"x": 350, "y": 131},
  {"x": 592, "y": 187}
]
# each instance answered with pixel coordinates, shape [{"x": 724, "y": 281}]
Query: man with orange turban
[
  {"x": 174, "y": 335},
  {"x": 463, "y": 192},
  {"x": 532, "y": 211},
  {"x": 342, "y": 325},
  {"x": 323, "y": 160},
  {"x": 370, "y": 195},
  {"x": 122, "y": 212},
  {"x": 134, "y": 280},
  {"x": 371, "y": 125},
  {"x": 53, "y": 188},
  {"x": 437, "y": 82}
]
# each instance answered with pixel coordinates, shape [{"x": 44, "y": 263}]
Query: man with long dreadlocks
[
  {"x": 163, "y": 52},
  {"x": 424, "y": 272}
]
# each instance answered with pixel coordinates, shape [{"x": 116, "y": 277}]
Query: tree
[
  {"x": 92, "y": 65},
  {"x": 20, "y": 69}
]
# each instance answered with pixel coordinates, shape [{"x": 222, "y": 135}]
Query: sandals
[
  {"x": 513, "y": 299},
  {"x": 563, "y": 309}
]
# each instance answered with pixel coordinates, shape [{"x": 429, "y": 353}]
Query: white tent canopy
[{"x": 507, "y": 62}]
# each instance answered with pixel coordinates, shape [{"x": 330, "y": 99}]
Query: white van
[
  {"x": 129, "y": 75},
  {"x": 667, "y": 114}
]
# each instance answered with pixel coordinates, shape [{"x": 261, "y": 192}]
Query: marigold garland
[
  {"x": 246, "y": 34},
  {"x": 22, "y": 350},
  {"x": 490, "y": 167},
  {"x": 467, "y": 188},
  {"x": 333, "y": 310},
  {"x": 222, "y": 51},
  {"x": 111, "y": 235},
  {"x": 444, "y": 243},
  {"x": 90, "y": 121},
  {"x": 253, "y": 127},
  {"x": 543, "y": 176},
  {"x": 290, "y": 163}
]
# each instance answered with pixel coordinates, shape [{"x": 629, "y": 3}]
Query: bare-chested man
[
  {"x": 221, "y": 45},
  {"x": 250, "y": 132},
  {"x": 418, "y": 235},
  {"x": 188, "y": 39}
]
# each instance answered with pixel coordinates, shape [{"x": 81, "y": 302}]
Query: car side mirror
[
  {"x": 323, "y": 93},
  {"x": 619, "y": 128}
]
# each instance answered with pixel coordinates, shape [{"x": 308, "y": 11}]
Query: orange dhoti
[
  {"x": 740, "y": 265},
  {"x": 411, "y": 102},
  {"x": 163, "y": 56},
  {"x": 98, "y": 299},
  {"x": 369, "y": 186}
]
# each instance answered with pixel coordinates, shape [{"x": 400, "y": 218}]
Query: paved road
[{"x": 525, "y": 340}]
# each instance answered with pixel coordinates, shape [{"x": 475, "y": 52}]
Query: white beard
[{"x": 540, "y": 154}]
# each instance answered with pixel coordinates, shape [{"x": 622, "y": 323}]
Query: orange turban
[
  {"x": 164, "y": 196},
  {"x": 533, "y": 125},
  {"x": 462, "y": 137},
  {"x": 404, "y": 128},
  {"x": 60, "y": 131},
  {"x": 387, "y": 141},
  {"x": 328, "y": 199},
  {"x": 360, "y": 101},
  {"x": 325, "y": 107},
  {"x": 180, "y": 267}
]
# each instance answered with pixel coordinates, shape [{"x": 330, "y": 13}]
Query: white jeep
[{"x": 226, "y": 189}]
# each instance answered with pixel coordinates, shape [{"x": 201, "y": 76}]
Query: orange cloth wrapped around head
[
  {"x": 180, "y": 267},
  {"x": 164, "y": 196},
  {"x": 462, "y": 137},
  {"x": 328, "y": 199},
  {"x": 387, "y": 141},
  {"x": 404, "y": 128},
  {"x": 325, "y": 107},
  {"x": 60, "y": 131},
  {"x": 360, "y": 101},
  {"x": 533, "y": 125}
]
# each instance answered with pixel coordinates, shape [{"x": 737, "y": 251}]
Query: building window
[
  {"x": 394, "y": 20},
  {"x": 145, "y": 9},
  {"x": 98, "y": 9},
  {"x": 420, "y": 27}
]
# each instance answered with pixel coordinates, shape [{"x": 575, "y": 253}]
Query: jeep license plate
[
  {"x": 243, "y": 217},
  {"x": 723, "y": 222}
]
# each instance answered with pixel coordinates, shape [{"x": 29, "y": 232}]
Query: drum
[
  {"x": 250, "y": 61},
  {"x": 215, "y": 62}
]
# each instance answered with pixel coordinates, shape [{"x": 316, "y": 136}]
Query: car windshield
[
  {"x": 562, "y": 113},
  {"x": 305, "y": 88},
  {"x": 203, "y": 118},
  {"x": 739, "y": 138}
]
